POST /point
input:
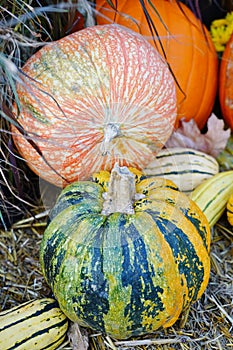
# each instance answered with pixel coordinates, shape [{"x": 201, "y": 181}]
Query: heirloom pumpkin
[
  {"x": 95, "y": 97},
  {"x": 226, "y": 83},
  {"x": 187, "y": 46},
  {"x": 128, "y": 260}
]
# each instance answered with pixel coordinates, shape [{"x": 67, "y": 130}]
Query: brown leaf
[{"x": 189, "y": 135}]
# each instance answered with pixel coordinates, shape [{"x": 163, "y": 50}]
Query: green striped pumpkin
[
  {"x": 127, "y": 271},
  {"x": 34, "y": 325}
]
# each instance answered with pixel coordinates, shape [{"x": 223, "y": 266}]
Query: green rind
[{"x": 126, "y": 275}]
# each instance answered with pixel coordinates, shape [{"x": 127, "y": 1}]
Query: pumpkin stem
[
  {"x": 111, "y": 131},
  {"x": 121, "y": 192}
]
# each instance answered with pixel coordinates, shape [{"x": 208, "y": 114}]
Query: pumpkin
[
  {"x": 95, "y": 97},
  {"x": 128, "y": 260},
  {"x": 187, "y": 46},
  {"x": 226, "y": 84}
]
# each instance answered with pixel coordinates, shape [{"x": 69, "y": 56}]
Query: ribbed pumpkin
[
  {"x": 95, "y": 97},
  {"x": 187, "y": 45},
  {"x": 127, "y": 261},
  {"x": 226, "y": 83}
]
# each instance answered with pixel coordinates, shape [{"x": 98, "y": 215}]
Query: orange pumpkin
[
  {"x": 226, "y": 83},
  {"x": 96, "y": 97},
  {"x": 76, "y": 21},
  {"x": 187, "y": 45}
]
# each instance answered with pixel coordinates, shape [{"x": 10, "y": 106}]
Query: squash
[
  {"x": 34, "y": 325},
  {"x": 187, "y": 47},
  {"x": 186, "y": 167},
  {"x": 213, "y": 194},
  {"x": 95, "y": 97},
  {"x": 230, "y": 210},
  {"x": 127, "y": 261},
  {"x": 225, "y": 157},
  {"x": 225, "y": 83}
]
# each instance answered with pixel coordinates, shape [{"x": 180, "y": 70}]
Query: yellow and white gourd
[
  {"x": 186, "y": 167},
  {"x": 230, "y": 210},
  {"x": 34, "y": 325},
  {"x": 213, "y": 195}
]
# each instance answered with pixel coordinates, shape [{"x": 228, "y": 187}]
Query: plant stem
[{"x": 121, "y": 192}]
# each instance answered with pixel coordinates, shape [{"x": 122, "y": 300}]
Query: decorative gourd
[
  {"x": 33, "y": 325},
  {"x": 213, "y": 194},
  {"x": 186, "y": 167},
  {"x": 226, "y": 83},
  {"x": 127, "y": 261},
  {"x": 95, "y": 97},
  {"x": 230, "y": 210},
  {"x": 187, "y": 45},
  {"x": 225, "y": 158}
]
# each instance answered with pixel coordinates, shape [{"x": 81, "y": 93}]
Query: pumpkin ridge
[
  {"x": 177, "y": 200},
  {"x": 191, "y": 268},
  {"x": 49, "y": 268},
  {"x": 93, "y": 291},
  {"x": 138, "y": 276},
  {"x": 132, "y": 246}
]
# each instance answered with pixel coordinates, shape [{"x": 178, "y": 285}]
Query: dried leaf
[
  {"x": 216, "y": 134},
  {"x": 189, "y": 135},
  {"x": 77, "y": 337}
]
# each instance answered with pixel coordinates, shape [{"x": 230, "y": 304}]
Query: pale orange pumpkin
[
  {"x": 187, "y": 45},
  {"x": 99, "y": 96},
  {"x": 226, "y": 83}
]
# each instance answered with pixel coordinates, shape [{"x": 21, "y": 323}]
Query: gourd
[
  {"x": 230, "y": 210},
  {"x": 36, "y": 324},
  {"x": 187, "y": 46},
  {"x": 213, "y": 194},
  {"x": 128, "y": 260},
  {"x": 92, "y": 98},
  {"x": 186, "y": 167},
  {"x": 225, "y": 83},
  {"x": 225, "y": 157}
]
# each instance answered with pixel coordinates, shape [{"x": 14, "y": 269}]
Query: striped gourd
[
  {"x": 33, "y": 325},
  {"x": 129, "y": 260},
  {"x": 225, "y": 158},
  {"x": 186, "y": 167},
  {"x": 213, "y": 194},
  {"x": 230, "y": 210}
]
